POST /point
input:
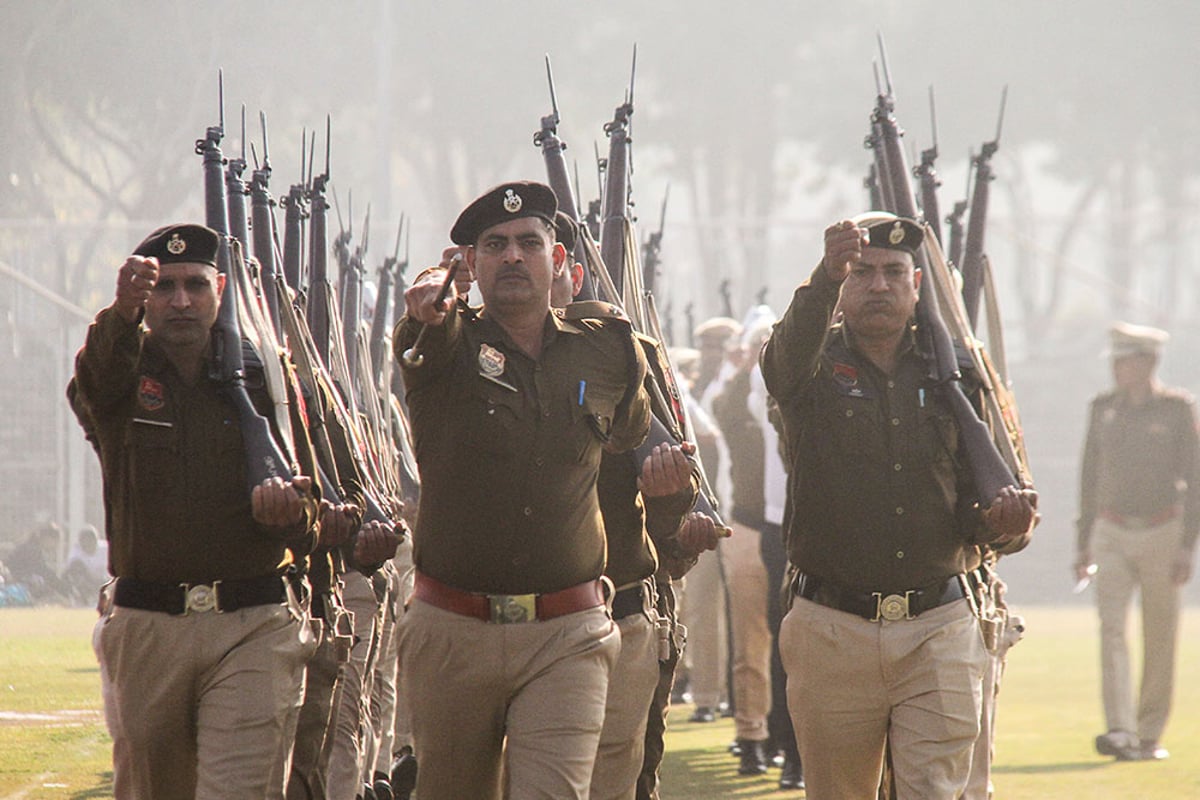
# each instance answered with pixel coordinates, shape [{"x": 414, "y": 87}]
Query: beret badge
[
  {"x": 512, "y": 201},
  {"x": 176, "y": 245},
  {"x": 896, "y": 235}
]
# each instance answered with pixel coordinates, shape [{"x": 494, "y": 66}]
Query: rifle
[
  {"x": 237, "y": 191},
  {"x": 320, "y": 291},
  {"x": 379, "y": 320},
  {"x": 652, "y": 249},
  {"x": 972, "y": 263},
  {"x": 871, "y": 184},
  {"x": 955, "y": 222},
  {"x": 264, "y": 459},
  {"x": 927, "y": 177},
  {"x": 616, "y": 191},
  {"x": 988, "y": 468},
  {"x": 263, "y": 227},
  {"x": 295, "y": 207},
  {"x": 552, "y": 149},
  {"x": 352, "y": 302},
  {"x": 726, "y": 298}
]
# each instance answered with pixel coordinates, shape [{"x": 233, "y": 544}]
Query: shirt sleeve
[{"x": 790, "y": 357}]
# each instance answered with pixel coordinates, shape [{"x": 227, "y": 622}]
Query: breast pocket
[
  {"x": 494, "y": 415},
  {"x": 852, "y": 423},
  {"x": 592, "y": 419},
  {"x": 154, "y": 446}
]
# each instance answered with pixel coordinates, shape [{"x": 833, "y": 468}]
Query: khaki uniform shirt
[
  {"x": 509, "y": 448},
  {"x": 879, "y": 499},
  {"x": 177, "y": 502},
  {"x": 1140, "y": 461}
]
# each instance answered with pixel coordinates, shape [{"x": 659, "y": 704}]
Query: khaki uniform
[
  {"x": 745, "y": 572},
  {"x": 199, "y": 704},
  {"x": 509, "y": 450},
  {"x": 879, "y": 506},
  {"x": 1139, "y": 505}
]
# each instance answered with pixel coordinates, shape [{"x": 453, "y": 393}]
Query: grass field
[{"x": 53, "y": 743}]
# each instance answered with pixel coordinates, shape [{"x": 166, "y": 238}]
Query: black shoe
[
  {"x": 792, "y": 776},
  {"x": 735, "y": 748},
  {"x": 754, "y": 760},
  {"x": 404, "y": 773},
  {"x": 368, "y": 793},
  {"x": 702, "y": 714},
  {"x": 382, "y": 787},
  {"x": 1121, "y": 744},
  {"x": 1150, "y": 751}
]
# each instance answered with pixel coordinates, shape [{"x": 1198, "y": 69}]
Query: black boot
[
  {"x": 404, "y": 774},
  {"x": 382, "y": 787},
  {"x": 754, "y": 757},
  {"x": 792, "y": 776}
]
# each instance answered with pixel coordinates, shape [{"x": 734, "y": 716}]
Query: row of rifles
[{"x": 285, "y": 313}]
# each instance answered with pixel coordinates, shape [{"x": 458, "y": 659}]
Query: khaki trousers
[
  {"x": 702, "y": 611},
  {"x": 349, "y": 722},
  {"x": 746, "y": 576},
  {"x": 198, "y": 705},
  {"x": 307, "y": 780},
  {"x": 531, "y": 693},
  {"x": 383, "y": 688},
  {"x": 630, "y": 691},
  {"x": 1128, "y": 560},
  {"x": 402, "y": 735},
  {"x": 854, "y": 684}
]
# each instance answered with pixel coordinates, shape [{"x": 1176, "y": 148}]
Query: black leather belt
[
  {"x": 875, "y": 606},
  {"x": 629, "y": 601},
  {"x": 183, "y": 598}
]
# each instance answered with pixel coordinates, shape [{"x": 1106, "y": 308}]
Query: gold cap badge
[
  {"x": 512, "y": 201},
  {"x": 176, "y": 245},
  {"x": 896, "y": 234}
]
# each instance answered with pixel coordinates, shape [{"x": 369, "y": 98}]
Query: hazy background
[{"x": 754, "y": 113}]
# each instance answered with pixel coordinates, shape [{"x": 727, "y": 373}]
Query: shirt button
[
  {"x": 546, "y": 413},
  {"x": 896, "y": 467},
  {"x": 539, "y": 461},
  {"x": 891, "y": 384},
  {"x": 896, "y": 421},
  {"x": 899, "y": 510},
  {"x": 528, "y": 511},
  {"x": 849, "y": 412},
  {"x": 899, "y": 554}
]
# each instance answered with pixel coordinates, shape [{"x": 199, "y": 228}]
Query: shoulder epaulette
[{"x": 594, "y": 309}]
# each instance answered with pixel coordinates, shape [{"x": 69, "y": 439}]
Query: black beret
[
  {"x": 505, "y": 202},
  {"x": 195, "y": 244},
  {"x": 566, "y": 230},
  {"x": 891, "y": 232}
]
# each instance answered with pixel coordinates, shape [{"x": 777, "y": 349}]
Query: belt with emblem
[
  {"x": 509, "y": 608},
  {"x": 874, "y": 606},
  {"x": 185, "y": 598}
]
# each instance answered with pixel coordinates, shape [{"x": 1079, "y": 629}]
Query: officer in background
[
  {"x": 507, "y": 634},
  {"x": 881, "y": 643},
  {"x": 1139, "y": 513},
  {"x": 197, "y": 697}
]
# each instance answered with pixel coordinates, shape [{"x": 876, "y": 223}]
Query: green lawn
[{"x": 53, "y": 743}]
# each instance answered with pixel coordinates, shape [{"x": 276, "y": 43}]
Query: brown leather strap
[{"x": 470, "y": 604}]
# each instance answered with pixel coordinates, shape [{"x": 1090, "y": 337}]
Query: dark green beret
[
  {"x": 508, "y": 201},
  {"x": 892, "y": 232},
  {"x": 181, "y": 242},
  {"x": 566, "y": 230}
]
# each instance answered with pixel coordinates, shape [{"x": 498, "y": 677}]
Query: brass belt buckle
[
  {"x": 200, "y": 598},
  {"x": 892, "y": 608},
  {"x": 511, "y": 608}
]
